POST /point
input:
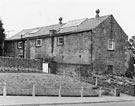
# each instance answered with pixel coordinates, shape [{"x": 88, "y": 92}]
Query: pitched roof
[
  {"x": 30, "y": 32},
  {"x": 71, "y": 26},
  {"x": 86, "y": 24}
]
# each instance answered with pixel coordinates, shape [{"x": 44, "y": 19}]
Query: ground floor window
[{"x": 110, "y": 69}]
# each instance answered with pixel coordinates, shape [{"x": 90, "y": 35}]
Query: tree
[
  {"x": 130, "y": 71},
  {"x": 2, "y": 39},
  {"x": 131, "y": 48}
]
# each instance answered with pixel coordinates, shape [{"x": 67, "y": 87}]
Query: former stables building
[{"x": 78, "y": 47}]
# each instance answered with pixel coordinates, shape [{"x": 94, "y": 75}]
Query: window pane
[
  {"x": 38, "y": 42},
  {"x": 20, "y": 44},
  {"x": 60, "y": 40},
  {"x": 111, "y": 44}
]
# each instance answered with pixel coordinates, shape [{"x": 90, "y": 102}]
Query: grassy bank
[{"x": 45, "y": 85}]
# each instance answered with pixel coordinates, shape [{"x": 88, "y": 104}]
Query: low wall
[
  {"x": 10, "y": 64},
  {"x": 73, "y": 70}
]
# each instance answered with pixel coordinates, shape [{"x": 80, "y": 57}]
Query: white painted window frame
[
  {"x": 38, "y": 45},
  {"x": 58, "y": 41},
  {"x": 20, "y": 44},
  {"x": 111, "y": 44}
]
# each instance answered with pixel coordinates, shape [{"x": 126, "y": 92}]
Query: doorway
[{"x": 110, "y": 69}]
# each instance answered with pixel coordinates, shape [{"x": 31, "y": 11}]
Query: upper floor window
[
  {"x": 20, "y": 44},
  {"x": 60, "y": 41},
  {"x": 111, "y": 44},
  {"x": 38, "y": 42}
]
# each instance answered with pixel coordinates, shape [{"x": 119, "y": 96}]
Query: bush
[
  {"x": 9, "y": 64},
  {"x": 129, "y": 74}
]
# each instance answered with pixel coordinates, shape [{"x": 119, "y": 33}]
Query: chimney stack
[
  {"x": 97, "y": 13},
  {"x": 60, "y": 20}
]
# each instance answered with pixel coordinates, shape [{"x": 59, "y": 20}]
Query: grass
[{"x": 45, "y": 85}]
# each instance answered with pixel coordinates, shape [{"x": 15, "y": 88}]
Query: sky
[{"x": 23, "y": 14}]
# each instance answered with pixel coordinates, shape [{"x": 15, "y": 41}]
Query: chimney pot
[
  {"x": 60, "y": 20},
  {"x": 97, "y": 13}
]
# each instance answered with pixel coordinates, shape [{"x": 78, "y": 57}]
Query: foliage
[
  {"x": 131, "y": 48},
  {"x": 129, "y": 74},
  {"x": 2, "y": 38},
  {"x": 20, "y": 63}
]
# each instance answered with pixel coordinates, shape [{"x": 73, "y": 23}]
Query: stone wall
[
  {"x": 42, "y": 52},
  {"x": 77, "y": 48},
  {"x": 10, "y": 49},
  {"x": 109, "y": 29},
  {"x": 73, "y": 70}
]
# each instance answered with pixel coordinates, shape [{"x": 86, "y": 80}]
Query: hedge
[{"x": 10, "y": 64}]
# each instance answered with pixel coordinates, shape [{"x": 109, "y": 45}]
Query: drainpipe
[
  {"x": 52, "y": 34},
  {"x": 27, "y": 48},
  {"x": 91, "y": 50},
  {"x": 22, "y": 44}
]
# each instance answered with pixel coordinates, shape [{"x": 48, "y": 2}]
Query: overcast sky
[{"x": 22, "y": 14}]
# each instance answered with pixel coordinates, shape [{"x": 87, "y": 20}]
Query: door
[{"x": 45, "y": 68}]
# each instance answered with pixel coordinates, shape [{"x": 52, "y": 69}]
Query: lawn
[{"x": 45, "y": 85}]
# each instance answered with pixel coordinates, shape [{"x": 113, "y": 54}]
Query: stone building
[{"x": 78, "y": 46}]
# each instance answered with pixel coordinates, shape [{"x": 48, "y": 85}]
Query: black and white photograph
[{"x": 67, "y": 53}]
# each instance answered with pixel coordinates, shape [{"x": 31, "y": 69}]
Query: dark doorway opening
[{"x": 110, "y": 69}]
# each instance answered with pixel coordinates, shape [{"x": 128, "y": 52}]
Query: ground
[
  {"x": 21, "y": 84},
  {"x": 67, "y": 101}
]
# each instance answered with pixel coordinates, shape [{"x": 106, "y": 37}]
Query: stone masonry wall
[
  {"x": 73, "y": 70},
  {"x": 109, "y": 29},
  {"x": 42, "y": 52},
  {"x": 11, "y": 49},
  {"x": 76, "y": 49}
]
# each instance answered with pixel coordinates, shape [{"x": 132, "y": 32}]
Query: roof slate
[{"x": 71, "y": 26}]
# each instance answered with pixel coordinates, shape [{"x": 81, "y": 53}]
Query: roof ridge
[
  {"x": 77, "y": 19},
  {"x": 101, "y": 16},
  {"x": 42, "y": 26},
  {"x": 64, "y": 23}
]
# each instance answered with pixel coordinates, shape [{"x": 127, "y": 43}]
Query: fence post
[
  {"x": 100, "y": 91},
  {"x": 60, "y": 91},
  {"x": 82, "y": 91},
  {"x": 133, "y": 90},
  {"x": 96, "y": 83},
  {"x": 33, "y": 90},
  {"x": 115, "y": 92},
  {"x": 4, "y": 89}
]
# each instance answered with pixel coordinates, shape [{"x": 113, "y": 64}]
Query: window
[
  {"x": 38, "y": 42},
  {"x": 110, "y": 69},
  {"x": 20, "y": 44},
  {"x": 60, "y": 41},
  {"x": 52, "y": 32},
  {"x": 111, "y": 44}
]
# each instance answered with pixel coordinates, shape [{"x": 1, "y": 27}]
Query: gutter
[{"x": 48, "y": 35}]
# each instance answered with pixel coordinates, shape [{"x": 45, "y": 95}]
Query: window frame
[
  {"x": 110, "y": 69},
  {"x": 20, "y": 44},
  {"x": 36, "y": 42},
  {"x": 59, "y": 43},
  {"x": 111, "y": 44}
]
